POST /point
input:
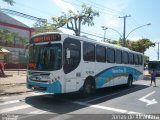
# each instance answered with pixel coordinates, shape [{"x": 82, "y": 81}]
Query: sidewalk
[
  {"x": 14, "y": 83},
  {"x": 146, "y": 74}
]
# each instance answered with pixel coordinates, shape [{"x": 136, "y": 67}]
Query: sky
[{"x": 142, "y": 12}]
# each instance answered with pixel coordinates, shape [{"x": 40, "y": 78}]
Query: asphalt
[{"x": 15, "y": 82}]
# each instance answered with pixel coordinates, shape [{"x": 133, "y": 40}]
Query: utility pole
[
  {"x": 124, "y": 29},
  {"x": 104, "y": 28},
  {"x": 158, "y": 51}
]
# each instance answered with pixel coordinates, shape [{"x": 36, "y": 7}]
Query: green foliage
[
  {"x": 59, "y": 21},
  {"x": 7, "y": 36},
  {"x": 44, "y": 27},
  {"x": 75, "y": 19},
  {"x": 140, "y": 45},
  {"x": 88, "y": 15},
  {"x": 11, "y": 2},
  {"x": 114, "y": 42}
]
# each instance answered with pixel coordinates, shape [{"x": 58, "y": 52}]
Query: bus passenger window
[
  {"x": 118, "y": 56},
  {"x": 140, "y": 62},
  {"x": 136, "y": 59},
  {"x": 131, "y": 58},
  {"x": 110, "y": 55},
  {"x": 100, "y": 54},
  {"x": 125, "y": 57},
  {"x": 88, "y": 52}
]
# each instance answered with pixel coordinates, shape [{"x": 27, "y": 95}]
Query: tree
[
  {"x": 140, "y": 45},
  {"x": 11, "y": 2},
  {"x": 7, "y": 36},
  {"x": 44, "y": 27},
  {"x": 74, "y": 20}
]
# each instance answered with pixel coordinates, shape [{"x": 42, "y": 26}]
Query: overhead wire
[
  {"x": 96, "y": 5},
  {"x": 133, "y": 21}
]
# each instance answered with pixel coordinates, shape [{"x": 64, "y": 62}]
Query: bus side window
[
  {"x": 136, "y": 59},
  {"x": 131, "y": 58},
  {"x": 72, "y": 54},
  {"x": 125, "y": 57},
  {"x": 88, "y": 52},
  {"x": 118, "y": 56},
  {"x": 110, "y": 55},
  {"x": 100, "y": 54},
  {"x": 140, "y": 59}
]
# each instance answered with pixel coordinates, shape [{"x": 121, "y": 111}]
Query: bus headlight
[{"x": 51, "y": 81}]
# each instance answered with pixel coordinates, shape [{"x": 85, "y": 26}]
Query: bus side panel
[{"x": 117, "y": 74}]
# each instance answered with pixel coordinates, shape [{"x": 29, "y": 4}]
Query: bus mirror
[{"x": 68, "y": 53}]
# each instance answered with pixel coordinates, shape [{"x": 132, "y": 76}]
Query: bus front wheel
[{"x": 88, "y": 88}]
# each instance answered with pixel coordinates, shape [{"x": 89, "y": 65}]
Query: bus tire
[
  {"x": 130, "y": 81},
  {"x": 88, "y": 88}
]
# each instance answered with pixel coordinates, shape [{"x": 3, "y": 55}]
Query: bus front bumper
[{"x": 54, "y": 87}]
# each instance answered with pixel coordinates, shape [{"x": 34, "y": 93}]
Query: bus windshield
[{"x": 46, "y": 57}]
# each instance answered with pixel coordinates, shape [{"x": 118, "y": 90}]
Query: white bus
[
  {"x": 62, "y": 63},
  {"x": 154, "y": 65}
]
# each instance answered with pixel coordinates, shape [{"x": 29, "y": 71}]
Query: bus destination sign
[{"x": 46, "y": 38}]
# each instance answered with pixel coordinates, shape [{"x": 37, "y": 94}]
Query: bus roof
[
  {"x": 104, "y": 43},
  {"x": 83, "y": 38}
]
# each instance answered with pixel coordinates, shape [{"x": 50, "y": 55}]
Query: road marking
[
  {"x": 10, "y": 102},
  {"x": 107, "y": 108},
  {"x": 149, "y": 102},
  {"x": 61, "y": 117},
  {"x": 31, "y": 114},
  {"x": 4, "y": 98},
  {"x": 37, "y": 93},
  {"x": 37, "y": 112},
  {"x": 109, "y": 95},
  {"x": 112, "y": 94},
  {"x": 14, "y": 108}
]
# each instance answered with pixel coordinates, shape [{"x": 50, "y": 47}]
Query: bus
[
  {"x": 62, "y": 63},
  {"x": 154, "y": 65}
]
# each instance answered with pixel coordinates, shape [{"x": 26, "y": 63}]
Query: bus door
[
  {"x": 72, "y": 57},
  {"x": 72, "y": 80}
]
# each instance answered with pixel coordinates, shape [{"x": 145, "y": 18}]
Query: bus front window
[{"x": 45, "y": 57}]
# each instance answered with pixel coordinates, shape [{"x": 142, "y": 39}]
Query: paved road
[{"x": 139, "y": 99}]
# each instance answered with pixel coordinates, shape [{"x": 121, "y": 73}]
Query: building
[{"x": 16, "y": 57}]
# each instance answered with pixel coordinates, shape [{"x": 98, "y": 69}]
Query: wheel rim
[
  {"x": 88, "y": 89},
  {"x": 130, "y": 81}
]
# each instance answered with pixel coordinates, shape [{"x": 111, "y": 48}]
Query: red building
[{"x": 17, "y": 58}]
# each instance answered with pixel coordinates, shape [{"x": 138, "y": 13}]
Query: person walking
[
  {"x": 2, "y": 69},
  {"x": 153, "y": 77}
]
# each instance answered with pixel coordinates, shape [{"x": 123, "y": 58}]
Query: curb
[
  {"x": 9, "y": 93},
  {"x": 15, "y": 70},
  {"x": 13, "y": 84}
]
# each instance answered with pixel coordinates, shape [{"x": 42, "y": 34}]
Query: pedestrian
[
  {"x": 2, "y": 69},
  {"x": 153, "y": 77}
]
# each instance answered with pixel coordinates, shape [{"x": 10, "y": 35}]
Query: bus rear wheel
[
  {"x": 130, "y": 81},
  {"x": 88, "y": 88}
]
